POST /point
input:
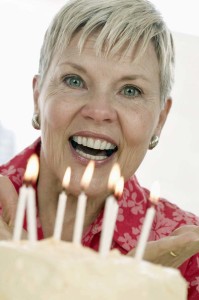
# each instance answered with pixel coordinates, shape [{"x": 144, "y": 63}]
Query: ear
[
  {"x": 36, "y": 92},
  {"x": 163, "y": 116}
]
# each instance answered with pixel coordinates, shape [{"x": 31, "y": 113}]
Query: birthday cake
[{"x": 56, "y": 270}]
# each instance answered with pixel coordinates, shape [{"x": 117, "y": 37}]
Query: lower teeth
[{"x": 88, "y": 156}]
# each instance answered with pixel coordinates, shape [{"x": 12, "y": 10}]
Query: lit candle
[
  {"x": 114, "y": 176},
  {"x": 115, "y": 183},
  {"x": 146, "y": 227},
  {"x": 19, "y": 218},
  {"x": 27, "y": 200},
  {"x": 31, "y": 215},
  {"x": 81, "y": 203},
  {"x": 59, "y": 220}
]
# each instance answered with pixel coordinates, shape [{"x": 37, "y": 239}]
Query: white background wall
[{"x": 175, "y": 161}]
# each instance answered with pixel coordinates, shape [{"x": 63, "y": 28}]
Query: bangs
[{"x": 119, "y": 26}]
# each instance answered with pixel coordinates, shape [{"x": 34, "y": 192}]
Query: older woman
[{"x": 103, "y": 94}]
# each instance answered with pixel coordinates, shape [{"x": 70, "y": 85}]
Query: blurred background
[{"x": 174, "y": 162}]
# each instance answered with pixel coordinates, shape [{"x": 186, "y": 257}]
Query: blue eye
[
  {"x": 130, "y": 91},
  {"x": 74, "y": 81}
]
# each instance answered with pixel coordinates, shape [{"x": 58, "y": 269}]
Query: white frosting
[{"x": 57, "y": 270}]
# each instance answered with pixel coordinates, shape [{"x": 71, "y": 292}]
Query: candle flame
[
  {"x": 87, "y": 176},
  {"x": 119, "y": 187},
  {"x": 114, "y": 176},
  {"x": 155, "y": 192},
  {"x": 66, "y": 179},
  {"x": 32, "y": 169}
]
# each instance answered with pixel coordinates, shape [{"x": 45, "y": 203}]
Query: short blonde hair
[{"x": 121, "y": 25}]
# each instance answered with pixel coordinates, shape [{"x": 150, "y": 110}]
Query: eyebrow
[
  {"x": 75, "y": 66},
  {"x": 125, "y": 78},
  {"x": 134, "y": 77}
]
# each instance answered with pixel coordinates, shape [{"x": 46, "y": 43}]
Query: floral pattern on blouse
[{"x": 132, "y": 209}]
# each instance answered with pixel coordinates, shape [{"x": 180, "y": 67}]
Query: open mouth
[{"x": 94, "y": 149}]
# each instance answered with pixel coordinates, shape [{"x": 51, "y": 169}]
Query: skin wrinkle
[
  {"x": 130, "y": 55},
  {"x": 98, "y": 107},
  {"x": 140, "y": 73}
]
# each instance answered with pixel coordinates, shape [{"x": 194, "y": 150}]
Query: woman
[{"x": 103, "y": 93}]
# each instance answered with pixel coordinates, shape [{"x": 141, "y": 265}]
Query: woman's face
[{"x": 104, "y": 109}]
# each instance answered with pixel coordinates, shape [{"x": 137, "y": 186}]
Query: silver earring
[
  {"x": 154, "y": 141},
  {"x": 35, "y": 121}
]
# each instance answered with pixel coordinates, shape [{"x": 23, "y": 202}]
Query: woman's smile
[{"x": 92, "y": 148}]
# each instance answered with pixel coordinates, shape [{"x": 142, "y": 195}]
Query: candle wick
[
  {"x": 64, "y": 189},
  {"x": 83, "y": 189},
  {"x": 27, "y": 183},
  {"x": 153, "y": 204},
  {"x": 111, "y": 190},
  {"x": 115, "y": 195}
]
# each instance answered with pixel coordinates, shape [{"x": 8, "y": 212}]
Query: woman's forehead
[
  {"x": 89, "y": 47},
  {"x": 118, "y": 67}
]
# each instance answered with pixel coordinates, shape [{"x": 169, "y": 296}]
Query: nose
[{"x": 99, "y": 110}]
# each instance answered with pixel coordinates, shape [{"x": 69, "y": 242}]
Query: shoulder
[
  {"x": 135, "y": 201},
  {"x": 170, "y": 210},
  {"x": 15, "y": 168},
  {"x": 164, "y": 210},
  {"x": 170, "y": 217}
]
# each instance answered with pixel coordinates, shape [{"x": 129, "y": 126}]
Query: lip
[{"x": 83, "y": 160}]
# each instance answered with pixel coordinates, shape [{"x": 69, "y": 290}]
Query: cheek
[
  {"x": 137, "y": 131},
  {"x": 54, "y": 124},
  {"x": 138, "y": 128},
  {"x": 54, "y": 116}
]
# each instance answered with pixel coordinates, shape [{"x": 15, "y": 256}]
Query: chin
[{"x": 95, "y": 190}]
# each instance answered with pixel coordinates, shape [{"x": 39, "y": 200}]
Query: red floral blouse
[{"x": 132, "y": 208}]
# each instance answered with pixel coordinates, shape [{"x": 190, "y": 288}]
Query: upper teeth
[{"x": 93, "y": 143}]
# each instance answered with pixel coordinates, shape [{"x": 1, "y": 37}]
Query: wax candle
[
  {"x": 108, "y": 225},
  {"x": 79, "y": 219},
  {"x": 81, "y": 203},
  {"x": 27, "y": 200},
  {"x": 146, "y": 227},
  {"x": 114, "y": 176},
  {"x": 62, "y": 200},
  {"x": 31, "y": 215},
  {"x": 111, "y": 210},
  {"x": 19, "y": 218}
]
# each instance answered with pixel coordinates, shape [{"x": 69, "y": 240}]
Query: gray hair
[{"x": 122, "y": 24}]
